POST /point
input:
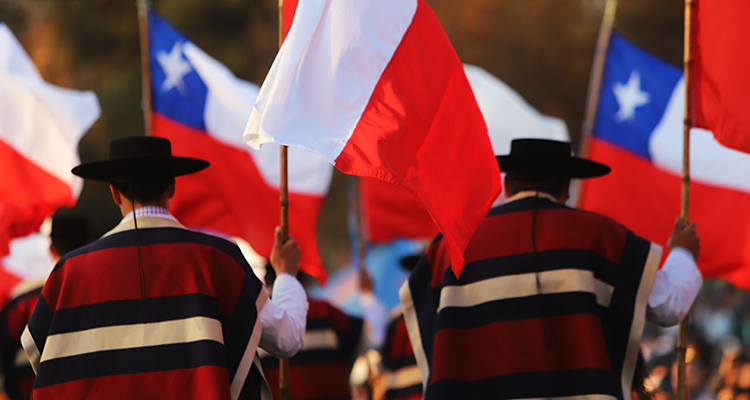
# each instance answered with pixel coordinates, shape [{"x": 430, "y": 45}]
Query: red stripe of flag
[
  {"x": 720, "y": 82},
  {"x": 242, "y": 203}
]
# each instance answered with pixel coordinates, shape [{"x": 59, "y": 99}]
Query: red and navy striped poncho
[
  {"x": 187, "y": 327},
  {"x": 562, "y": 321},
  {"x": 320, "y": 370},
  {"x": 18, "y": 376},
  {"x": 401, "y": 377}
]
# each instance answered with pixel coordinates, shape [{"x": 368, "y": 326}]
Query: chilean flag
[
  {"x": 721, "y": 84},
  {"x": 638, "y": 132},
  {"x": 202, "y": 108},
  {"x": 40, "y": 126},
  {"x": 391, "y": 212},
  {"x": 376, "y": 88}
]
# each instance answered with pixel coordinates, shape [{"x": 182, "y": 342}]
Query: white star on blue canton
[
  {"x": 175, "y": 68},
  {"x": 629, "y": 97}
]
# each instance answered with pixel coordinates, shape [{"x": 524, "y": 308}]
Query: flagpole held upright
[
  {"x": 597, "y": 74},
  {"x": 284, "y": 219},
  {"x": 682, "y": 389},
  {"x": 364, "y": 276},
  {"x": 595, "y": 88},
  {"x": 144, "y": 6}
]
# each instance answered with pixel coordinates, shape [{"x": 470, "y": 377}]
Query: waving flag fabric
[
  {"x": 392, "y": 212},
  {"x": 638, "y": 133},
  {"x": 376, "y": 87},
  {"x": 721, "y": 84},
  {"x": 202, "y": 108},
  {"x": 289, "y": 8},
  {"x": 40, "y": 126}
]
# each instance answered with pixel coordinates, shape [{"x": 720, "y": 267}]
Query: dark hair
[
  {"x": 552, "y": 184},
  {"x": 144, "y": 190},
  {"x": 69, "y": 232}
]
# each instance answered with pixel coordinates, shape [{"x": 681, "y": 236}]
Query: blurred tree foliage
[{"x": 542, "y": 48}]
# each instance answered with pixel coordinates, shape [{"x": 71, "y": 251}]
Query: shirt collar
[
  {"x": 150, "y": 211},
  {"x": 531, "y": 193}
]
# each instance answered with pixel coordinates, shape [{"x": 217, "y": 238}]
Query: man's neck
[{"x": 532, "y": 193}]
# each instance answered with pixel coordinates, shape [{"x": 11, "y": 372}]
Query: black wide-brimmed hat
[
  {"x": 139, "y": 157},
  {"x": 541, "y": 156}
]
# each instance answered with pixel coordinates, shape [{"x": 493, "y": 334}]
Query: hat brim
[
  {"x": 573, "y": 167},
  {"x": 139, "y": 167}
]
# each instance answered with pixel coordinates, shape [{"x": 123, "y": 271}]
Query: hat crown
[
  {"x": 540, "y": 148},
  {"x": 139, "y": 146}
]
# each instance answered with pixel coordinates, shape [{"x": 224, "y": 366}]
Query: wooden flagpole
[
  {"x": 595, "y": 87},
  {"x": 284, "y": 220},
  {"x": 364, "y": 276},
  {"x": 597, "y": 75},
  {"x": 144, "y": 6},
  {"x": 682, "y": 389}
]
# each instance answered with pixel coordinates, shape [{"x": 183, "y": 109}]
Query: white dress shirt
[
  {"x": 284, "y": 318},
  {"x": 675, "y": 287}
]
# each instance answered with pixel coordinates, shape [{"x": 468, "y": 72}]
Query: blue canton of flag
[
  {"x": 178, "y": 92},
  {"x": 635, "y": 92}
]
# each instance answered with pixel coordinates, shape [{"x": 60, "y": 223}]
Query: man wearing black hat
[
  {"x": 552, "y": 300},
  {"x": 154, "y": 310}
]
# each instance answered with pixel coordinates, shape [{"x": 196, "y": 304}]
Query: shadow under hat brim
[
  {"x": 139, "y": 167},
  {"x": 573, "y": 167}
]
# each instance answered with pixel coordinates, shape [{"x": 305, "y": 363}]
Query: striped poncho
[
  {"x": 185, "y": 326},
  {"x": 563, "y": 320}
]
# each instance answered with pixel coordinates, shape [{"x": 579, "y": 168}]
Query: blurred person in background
[
  {"x": 401, "y": 379},
  {"x": 333, "y": 341},
  {"x": 69, "y": 232},
  {"x": 552, "y": 300}
]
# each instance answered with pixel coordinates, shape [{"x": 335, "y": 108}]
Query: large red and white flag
[
  {"x": 720, "y": 81},
  {"x": 376, "y": 88},
  {"x": 40, "y": 126},
  {"x": 202, "y": 108},
  {"x": 391, "y": 212}
]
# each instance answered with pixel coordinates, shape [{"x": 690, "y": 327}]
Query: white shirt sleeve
[
  {"x": 284, "y": 318},
  {"x": 375, "y": 316},
  {"x": 675, "y": 287}
]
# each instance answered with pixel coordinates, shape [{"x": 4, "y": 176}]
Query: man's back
[
  {"x": 180, "y": 322},
  {"x": 551, "y": 303}
]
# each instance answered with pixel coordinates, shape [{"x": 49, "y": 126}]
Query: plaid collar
[{"x": 150, "y": 211}]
